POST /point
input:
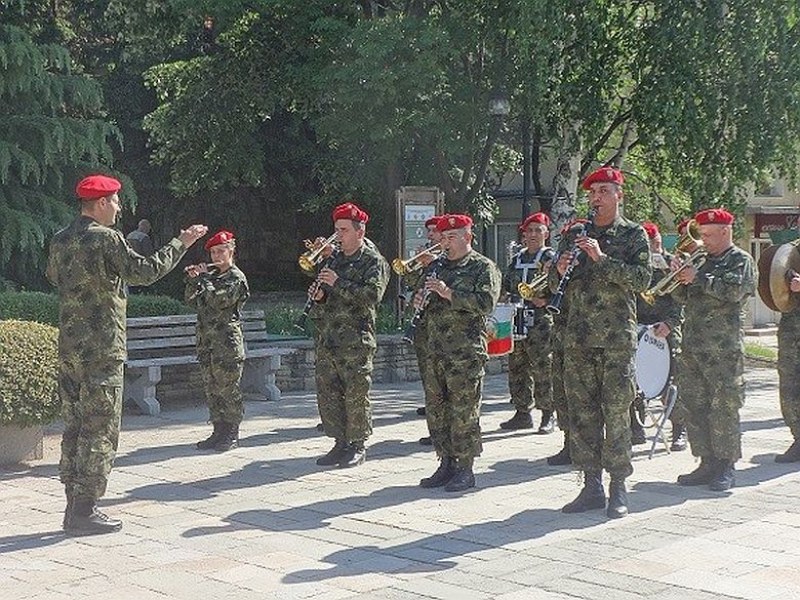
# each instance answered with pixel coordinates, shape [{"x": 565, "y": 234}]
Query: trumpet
[
  {"x": 537, "y": 285},
  {"x": 689, "y": 245},
  {"x": 308, "y": 261},
  {"x": 404, "y": 267}
]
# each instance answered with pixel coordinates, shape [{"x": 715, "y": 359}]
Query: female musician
[{"x": 218, "y": 291}]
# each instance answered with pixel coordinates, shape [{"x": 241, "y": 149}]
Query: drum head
[{"x": 653, "y": 360}]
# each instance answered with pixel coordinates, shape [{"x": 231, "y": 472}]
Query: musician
[
  {"x": 460, "y": 299},
  {"x": 351, "y": 287},
  {"x": 666, "y": 317},
  {"x": 600, "y": 342},
  {"x": 711, "y": 366},
  {"x": 218, "y": 293},
  {"x": 90, "y": 262},
  {"x": 789, "y": 368},
  {"x": 529, "y": 365}
]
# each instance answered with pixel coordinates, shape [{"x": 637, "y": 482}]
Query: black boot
[
  {"x": 678, "y": 438},
  {"x": 617, "y": 499},
  {"x": 520, "y": 420},
  {"x": 421, "y": 411},
  {"x": 354, "y": 454},
  {"x": 725, "y": 477},
  {"x": 211, "y": 441},
  {"x": 334, "y": 455},
  {"x": 791, "y": 455},
  {"x": 702, "y": 475},
  {"x": 463, "y": 478},
  {"x": 443, "y": 473},
  {"x": 87, "y": 520},
  {"x": 592, "y": 495},
  {"x": 563, "y": 457},
  {"x": 548, "y": 422},
  {"x": 228, "y": 439},
  {"x": 426, "y": 441}
]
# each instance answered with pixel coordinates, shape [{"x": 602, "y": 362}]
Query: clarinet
[
  {"x": 312, "y": 291},
  {"x": 411, "y": 330},
  {"x": 554, "y": 308}
]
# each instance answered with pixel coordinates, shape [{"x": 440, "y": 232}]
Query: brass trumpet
[
  {"x": 537, "y": 285},
  {"x": 404, "y": 267},
  {"x": 308, "y": 261},
  {"x": 689, "y": 245}
]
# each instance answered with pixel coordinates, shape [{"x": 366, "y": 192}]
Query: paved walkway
[{"x": 264, "y": 521}]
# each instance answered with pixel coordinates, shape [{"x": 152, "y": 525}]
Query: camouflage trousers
[
  {"x": 529, "y": 370},
  {"x": 426, "y": 372},
  {"x": 557, "y": 376},
  {"x": 223, "y": 395},
  {"x": 91, "y": 406},
  {"x": 712, "y": 392},
  {"x": 343, "y": 377},
  {"x": 600, "y": 388},
  {"x": 453, "y": 407},
  {"x": 789, "y": 370}
]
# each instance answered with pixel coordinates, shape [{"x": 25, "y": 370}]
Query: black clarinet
[
  {"x": 554, "y": 308},
  {"x": 411, "y": 330},
  {"x": 312, "y": 291}
]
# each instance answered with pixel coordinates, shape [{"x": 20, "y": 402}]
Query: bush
[
  {"x": 43, "y": 308},
  {"x": 28, "y": 373}
]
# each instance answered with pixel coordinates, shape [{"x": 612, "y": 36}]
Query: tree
[{"x": 51, "y": 131}]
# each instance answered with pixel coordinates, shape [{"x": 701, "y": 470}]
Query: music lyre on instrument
[
  {"x": 689, "y": 245},
  {"x": 404, "y": 267},
  {"x": 774, "y": 264},
  {"x": 308, "y": 261}
]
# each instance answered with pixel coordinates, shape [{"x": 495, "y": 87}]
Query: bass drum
[{"x": 653, "y": 363}]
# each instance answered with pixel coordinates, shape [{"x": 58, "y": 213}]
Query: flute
[{"x": 194, "y": 271}]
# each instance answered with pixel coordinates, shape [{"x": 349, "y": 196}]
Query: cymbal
[{"x": 773, "y": 265}]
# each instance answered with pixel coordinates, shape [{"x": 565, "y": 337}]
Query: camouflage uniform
[
  {"x": 789, "y": 369},
  {"x": 711, "y": 366},
  {"x": 456, "y": 333},
  {"x": 557, "y": 372},
  {"x": 599, "y": 346},
  {"x": 530, "y": 364},
  {"x": 421, "y": 343},
  {"x": 218, "y": 299},
  {"x": 345, "y": 342},
  {"x": 89, "y": 264}
]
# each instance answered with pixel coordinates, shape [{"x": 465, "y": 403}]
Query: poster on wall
[{"x": 415, "y": 205}]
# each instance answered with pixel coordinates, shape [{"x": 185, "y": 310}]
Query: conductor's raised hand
[{"x": 191, "y": 234}]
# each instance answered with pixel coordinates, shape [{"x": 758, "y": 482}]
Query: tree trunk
[{"x": 565, "y": 182}]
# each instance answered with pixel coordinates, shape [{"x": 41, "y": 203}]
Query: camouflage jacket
[
  {"x": 666, "y": 309},
  {"x": 346, "y": 315},
  {"x": 602, "y": 295},
  {"x": 219, "y": 298},
  {"x": 459, "y": 327},
  {"x": 525, "y": 267},
  {"x": 716, "y": 301},
  {"x": 90, "y": 264}
]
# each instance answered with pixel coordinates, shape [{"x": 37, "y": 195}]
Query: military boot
[
  {"x": 791, "y": 455},
  {"x": 678, "y": 438},
  {"x": 520, "y": 420},
  {"x": 702, "y": 475},
  {"x": 87, "y": 520},
  {"x": 547, "y": 424},
  {"x": 211, "y": 441},
  {"x": 617, "y": 499},
  {"x": 725, "y": 476},
  {"x": 463, "y": 478},
  {"x": 426, "y": 441},
  {"x": 563, "y": 457},
  {"x": 421, "y": 411},
  {"x": 354, "y": 454},
  {"x": 443, "y": 474},
  {"x": 228, "y": 439},
  {"x": 591, "y": 496},
  {"x": 334, "y": 455}
]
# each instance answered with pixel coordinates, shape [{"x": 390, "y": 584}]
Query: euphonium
[
  {"x": 690, "y": 246},
  {"x": 308, "y": 261},
  {"x": 537, "y": 285},
  {"x": 404, "y": 267}
]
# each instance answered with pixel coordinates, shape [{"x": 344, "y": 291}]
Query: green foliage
[
  {"x": 43, "y": 308},
  {"x": 28, "y": 373}
]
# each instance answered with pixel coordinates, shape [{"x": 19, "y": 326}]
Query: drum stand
[{"x": 660, "y": 421}]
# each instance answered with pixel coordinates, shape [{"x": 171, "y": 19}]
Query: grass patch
[{"x": 752, "y": 350}]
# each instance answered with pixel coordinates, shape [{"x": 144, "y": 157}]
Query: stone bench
[{"x": 158, "y": 342}]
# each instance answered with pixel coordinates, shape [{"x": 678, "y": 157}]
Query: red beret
[
  {"x": 447, "y": 222},
  {"x": 714, "y": 216},
  {"x": 350, "y": 211},
  {"x": 538, "y": 217},
  {"x": 434, "y": 220},
  {"x": 604, "y": 175},
  {"x": 97, "y": 186},
  {"x": 651, "y": 229},
  {"x": 223, "y": 236}
]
